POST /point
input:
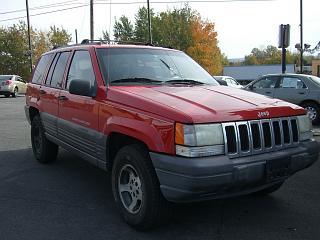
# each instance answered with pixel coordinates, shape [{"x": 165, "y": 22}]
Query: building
[
  {"x": 246, "y": 74},
  {"x": 316, "y": 67}
]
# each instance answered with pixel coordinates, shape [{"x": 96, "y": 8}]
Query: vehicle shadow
[{"x": 75, "y": 200}]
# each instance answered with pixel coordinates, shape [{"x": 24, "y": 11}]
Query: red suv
[{"x": 163, "y": 126}]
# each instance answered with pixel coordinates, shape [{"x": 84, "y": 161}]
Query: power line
[
  {"x": 136, "y": 2},
  {"x": 60, "y": 10},
  {"x": 43, "y": 7}
]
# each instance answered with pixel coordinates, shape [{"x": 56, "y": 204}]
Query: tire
[
  {"x": 136, "y": 189},
  {"x": 7, "y": 95},
  {"x": 313, "y": 111},
  {"x": 15, "y": 92},
  {"x": 44, "y": 150},
  {"x": 269, "y": 190}
]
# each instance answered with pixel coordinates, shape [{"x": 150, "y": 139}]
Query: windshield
[
  {"x": 150, "y": 66},
  {"x": 5, "y": 77}
]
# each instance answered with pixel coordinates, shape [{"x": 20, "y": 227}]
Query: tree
[
  {"x": 58, "y": 37},
  {"x": 268, "y": 55},
  {"x": 105, "y": 36},
  {"x": 14, "y": 50},
  {"x": 182, "y": 29},
  {"x": 14, "y": 47},
  {"x": 205, "y": 48},
  {"x": 123, "y": 30}
]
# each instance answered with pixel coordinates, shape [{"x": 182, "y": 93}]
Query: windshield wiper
[
  {"x": 136, "y": 80},
  {"x": 184, "y": 81}
]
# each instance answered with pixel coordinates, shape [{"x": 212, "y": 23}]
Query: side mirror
[{"x": 82, "y": 88}]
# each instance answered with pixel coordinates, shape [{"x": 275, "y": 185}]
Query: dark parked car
[{"x": 303, "y": 90}]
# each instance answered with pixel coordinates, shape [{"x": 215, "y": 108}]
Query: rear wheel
[
  {"x": 15, "y": 92},
  {"x": 44, "y": 150},
  {"x": 136, "y": 189},
  {"x": 7, "y": 95},
  {"x": 313, "y": 111}
]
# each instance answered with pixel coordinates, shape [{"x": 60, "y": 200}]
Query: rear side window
[
  {"x": 81, "y": 68},
  {"x": 41, "y": 68},
  {"x": 292, "y": 82},
  {"x": 56, "y": 72}
]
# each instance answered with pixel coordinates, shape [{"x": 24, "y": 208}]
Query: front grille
[{"x": 257, "y": 136}]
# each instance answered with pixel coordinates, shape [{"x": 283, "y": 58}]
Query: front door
[
  {"x": 78, "y": 115},
  {"x": 266, "y": 85}
]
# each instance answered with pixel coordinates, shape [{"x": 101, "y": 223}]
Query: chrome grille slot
[
  {"x": 277, "y": 132},
  {"x": 258, "y": 136},
  {"x": 244, "y": 138},
  {"x": 231, "y": 140},
  {"x": 294, "y": 129},
  {"x": 286, "y": 131},
  {"x": 267, "y": 134}
]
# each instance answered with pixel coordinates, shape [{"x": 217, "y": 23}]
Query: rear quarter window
[{"x": 40, "y": 70}]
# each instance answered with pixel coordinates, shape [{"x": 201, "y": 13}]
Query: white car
[
  {"x": 12, "y": 85},
  {"x": 228, "y": 81}
]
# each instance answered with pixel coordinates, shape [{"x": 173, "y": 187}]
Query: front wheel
[
  {"x": 313, "y": 111},
  {"x": 44, "y": 150},
  {"x": 136, "y": 189}
]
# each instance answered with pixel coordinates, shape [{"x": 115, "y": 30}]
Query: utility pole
[
  {"x": 91, "y": 21},
  {"x": 76, "y": 33},
  {"x": 29, "y": 37},
  {"x": 301, "y": 38},
  {"x": 149, "y": 23}
]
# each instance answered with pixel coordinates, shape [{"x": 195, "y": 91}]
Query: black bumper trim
[{"x": 195, "y": 179}]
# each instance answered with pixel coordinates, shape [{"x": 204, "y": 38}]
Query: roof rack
[{"x": 103, "y": 41}]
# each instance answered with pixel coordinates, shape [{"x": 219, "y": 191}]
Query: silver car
[
  {"x": 300, "y": 89},
  {"x": 12, "y": 85}
]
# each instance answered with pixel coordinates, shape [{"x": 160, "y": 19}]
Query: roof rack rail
[
  {"x": 103, "y": 41},
  {"x": 108, "y": 41}
]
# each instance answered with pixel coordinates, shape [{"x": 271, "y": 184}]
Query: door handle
[
  {"x": 268, "y": 92},
  {"x": 302, "y": 93},
  {"x": 62, "y": 98},
  {"x": 42, "y": 92}
]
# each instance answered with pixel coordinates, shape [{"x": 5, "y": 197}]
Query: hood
[{"x": 202, "y": 104}]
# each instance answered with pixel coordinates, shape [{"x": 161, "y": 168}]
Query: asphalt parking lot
[{"x": 71, "y": 199}]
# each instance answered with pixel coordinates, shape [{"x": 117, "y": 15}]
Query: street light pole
[
  {"x": 301, "y": 38},
  {"x": 149, "y": 23},
  {"x": 91, "y": 21},
  {"x": 29, "y": 37}
]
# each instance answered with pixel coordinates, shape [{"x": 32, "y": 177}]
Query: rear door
[
  {"x": 78, "y": 115},
  {"x": 50, "y": 90},
  {"x": 292, "y": 89},
  {"x": 266, "y": 85}
]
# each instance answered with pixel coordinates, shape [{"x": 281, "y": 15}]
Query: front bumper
[{"x": 195, "y": 179}]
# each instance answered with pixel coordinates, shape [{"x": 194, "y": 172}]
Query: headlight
[
  {"x": 305, "y": 127},
  {"x": 199, "y": 140}
]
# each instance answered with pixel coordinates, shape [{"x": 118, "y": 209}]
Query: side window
[
  {"x": 53, "y": 65},
  {"x": 292, "y": 82},
  {"x": 81, "y": 68},
  {"x": 41, "y": 68},
  {"x": 59, "y": 69},
  {"x": 266, "y": 82}
]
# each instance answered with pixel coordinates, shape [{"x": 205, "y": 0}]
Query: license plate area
[{"x": 277, "y": 169}]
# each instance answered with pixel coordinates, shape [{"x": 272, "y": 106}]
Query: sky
[{"x": 241, "y": 25}]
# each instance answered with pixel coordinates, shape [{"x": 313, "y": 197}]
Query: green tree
[
  {"x": 14, "y": 50},
  {"x": 141, "y": 31},
  {"x": 58, "y": 37},
  {"x": 123, "y": 30},
  {"x": 105, "y": 36}
]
